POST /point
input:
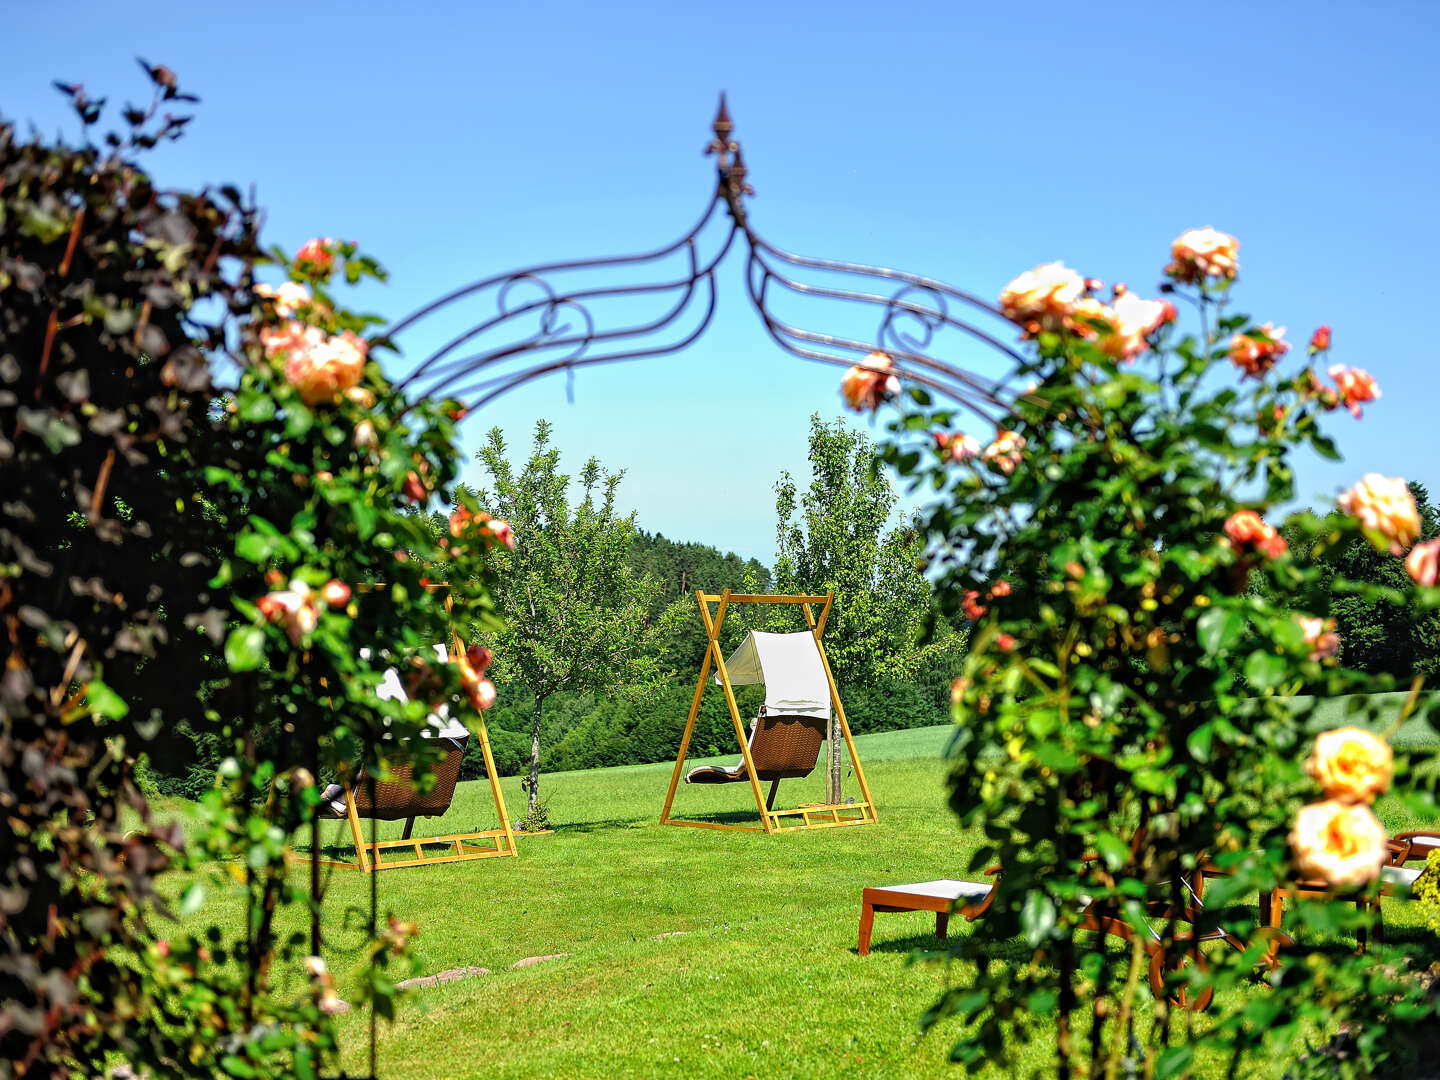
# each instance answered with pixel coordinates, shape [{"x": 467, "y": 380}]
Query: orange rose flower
[
  {"x": 1320, "y": 636},
  {"x": 1135, "y": 320},
  {"x": 1341, "y": 844},
  {"x": 1423, "y": 563},
  {"x": 1355, "y": 386},
  {"x": 1320, "y": 340},
  {"x": 1043, "y": 298},
  {"x": 316, "y": 257},
  {"x": 864, "y": 387},
  {"x": 1351, "y": 764},
  {"x": 1386, "y": 512},
  {"x": 957, "y": 446},
  {"x": 1200, "y": 253},
  {"x": 1245, "y": 528},
  {"x": 287, "y": 299},
  {"x": 1256, "y": 353},
  {"x": 1005, "y": 452}
]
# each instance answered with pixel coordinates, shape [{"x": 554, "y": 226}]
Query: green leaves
[
  {"x": 1265, "y": 670},
  {"x": 245, "y": 648},
  {"x": 1218, "y": 629},
  {"x": 105, "y": 702},
  {"x": 1037, "y": 917}
]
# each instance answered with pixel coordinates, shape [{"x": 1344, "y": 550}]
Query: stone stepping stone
[
  {"x": 449, "y": 975},
  {"x": 531, "y": 960}
]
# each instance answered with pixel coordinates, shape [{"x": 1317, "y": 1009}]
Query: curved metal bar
[
  {"x": 552, "y": 268},
  {"x": 872, "y": 271},
  {"x": 449, "y": 373},
  {"x": 894, "y": 304},
  {"x": 910, "y": 318},
  {"x": 504, "y": 384},
  {"x": 787, "y": 335}
]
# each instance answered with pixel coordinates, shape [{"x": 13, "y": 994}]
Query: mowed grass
[{"x": 688, "y": 952}]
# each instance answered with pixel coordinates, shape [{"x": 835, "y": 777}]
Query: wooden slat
[
  {"x": 689, "y": 720},
  {"x": 762, "y": 598},
  {"x": 715, "y": 825}
]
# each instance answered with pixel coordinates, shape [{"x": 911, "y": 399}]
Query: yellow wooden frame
[
  {"x": 811, "y": 815},
  {"x": 459, "y": 847}
]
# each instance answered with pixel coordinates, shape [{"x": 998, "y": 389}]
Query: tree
[
  {"x": 833, "y": 537},
  {"x": 1378, "y": 636},
  {"x": 576, "y": 617}
]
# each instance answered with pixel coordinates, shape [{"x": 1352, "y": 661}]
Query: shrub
[{"x": 1103, "y": 545}]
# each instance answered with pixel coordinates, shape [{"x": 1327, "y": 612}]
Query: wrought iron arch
[
  {"x": 547, "y": 319},
  {"x": 562, "y": 316}
]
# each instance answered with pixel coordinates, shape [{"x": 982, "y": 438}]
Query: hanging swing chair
[
  {"x": 785, "y": 737},
  {"x": 398, "y": 799}
]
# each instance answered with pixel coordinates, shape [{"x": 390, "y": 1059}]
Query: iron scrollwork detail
[{"x": 559, "y": 317}]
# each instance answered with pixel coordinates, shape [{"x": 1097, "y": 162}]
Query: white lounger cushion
[
  {"x": 1399, "y": 875},
  {"x": 946, "y": 889}
]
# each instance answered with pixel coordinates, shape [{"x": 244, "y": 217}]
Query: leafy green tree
[
  {"x": 1390, "y": 635},
  {"x": 835, "y": 536},
  {"x": 576, "y": 618}
]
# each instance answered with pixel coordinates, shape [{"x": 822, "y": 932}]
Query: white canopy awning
[{"x": 790, "y": 667}]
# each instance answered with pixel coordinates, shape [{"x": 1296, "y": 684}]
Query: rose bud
[
  {"x": 503, "y": 533},
  {"x": 335, "y": 593}
]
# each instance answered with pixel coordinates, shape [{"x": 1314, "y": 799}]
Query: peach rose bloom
[
  {"x": 503, "y": 533},
  {"x": 957, "y": 447},
  {"x": 1255, "y": 354},
  {"x": 1245, "y": 527},
  {"x": 1385, "y": 509},
  {"x": 317, "y": 255},
  {"x": 1085, "y": 313},
  {"x": 1320, "y": 636},
  {"x": 1423, "y": 562},
  {"x": 1042, "y": 299},
  {"x": 1351, "y": 764},
  {"x": 323, "y": 371},
  {"x": 293, "y": 337},
  {"x": 1135, "y": 319},
  {"x": 1202, "y": 253},
  {"x": 287, "y": 299},
  {"x": 1005, "y": 452},
  {"x": 1320, "y": 340},
  {"x": 1355, "y": 386},
  {"x": 864, "y": 388},
  {"x": 1341, "y": 844}
]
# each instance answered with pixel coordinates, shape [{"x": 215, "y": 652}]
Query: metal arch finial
[
  {"x": 560, "y": 316},
  {"x": 723, "y": 124},
  {"x": 730, "y": 163}
]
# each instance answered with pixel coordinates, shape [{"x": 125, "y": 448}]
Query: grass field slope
[{"x": 682, "y": 952}]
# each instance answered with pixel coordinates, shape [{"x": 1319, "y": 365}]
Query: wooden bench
[{"x": 968, "y": 898}]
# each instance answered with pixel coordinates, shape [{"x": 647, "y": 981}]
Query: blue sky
[{"x": 454, "y": 141}]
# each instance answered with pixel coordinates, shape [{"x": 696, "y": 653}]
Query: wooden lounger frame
[
  {"x": 810, "y": 816},
  {"x": 458, "y": 847}
]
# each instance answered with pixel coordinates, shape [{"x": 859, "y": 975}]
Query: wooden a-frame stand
[
  {"x": 811, "y": 816},
  {"x": 458, "y": 847}
]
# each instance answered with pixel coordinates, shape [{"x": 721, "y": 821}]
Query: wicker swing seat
[
  {"x": 397, "y": 798},
  {"x": 782, "y": 746},
  {"x": 802, "y": 710}
]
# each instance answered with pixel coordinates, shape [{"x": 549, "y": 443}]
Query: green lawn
[{"x": 690, "y": 952}]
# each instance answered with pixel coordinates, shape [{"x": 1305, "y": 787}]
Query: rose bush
[
  {"x": 210, "y": 530},
  {"x": 1128, "y": 710}
]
